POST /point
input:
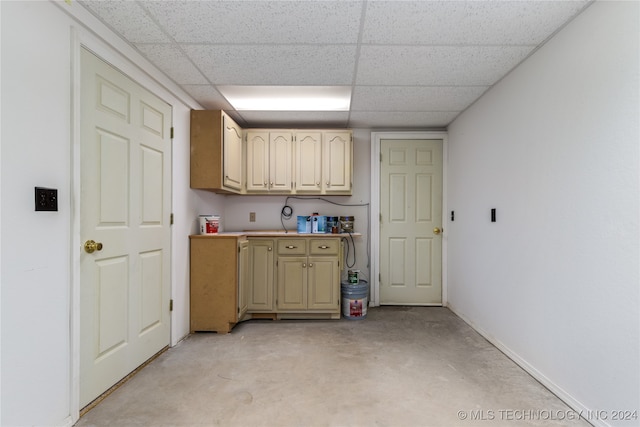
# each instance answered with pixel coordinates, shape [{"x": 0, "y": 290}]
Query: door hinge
[
  {"x": 380, "y": 218},
  {"x": 171, "y": 219},
  {"x": 380, "y": 157},
  {"x": 171, "y": 132},
  {"x": 170, "y": 305}
]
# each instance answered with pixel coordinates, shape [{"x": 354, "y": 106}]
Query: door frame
[
  {"x": 374, "y": 218},
  {"x": 80, "y": 38}
]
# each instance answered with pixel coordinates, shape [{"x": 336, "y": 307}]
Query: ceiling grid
[{"x": 409, "y": 64}]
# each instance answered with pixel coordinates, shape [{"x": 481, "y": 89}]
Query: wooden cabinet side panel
[
  {"x": 214, "y": 282},
  {"x": 206, "y": 149}
]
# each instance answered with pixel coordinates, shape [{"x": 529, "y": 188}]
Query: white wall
[
  {"x": 554, "y": 148},
  {"x": 39, "y": 277}
]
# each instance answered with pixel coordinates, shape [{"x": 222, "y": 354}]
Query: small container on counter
[
  {"x": 332, "y": 225},
  {"x": 346, "y": 224},
  {"x": 209, "y": 224}
]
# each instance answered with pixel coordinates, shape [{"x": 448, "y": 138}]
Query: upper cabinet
[
  {"x": 269, "y": 161},
  {"x": 309, "y": 162},
  {"x": 216, "y": 152},
  {"x": 323, "y": 162},
  {"x": 228, "y": 159},
  {"x": 337, "y": 165}
]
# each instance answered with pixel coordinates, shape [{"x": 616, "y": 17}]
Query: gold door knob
[
  {"x": 437, "y": 230},
  {"x": 90, "y": 246}
]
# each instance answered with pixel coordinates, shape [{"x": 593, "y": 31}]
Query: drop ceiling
[{"x": 408, "y": 64}]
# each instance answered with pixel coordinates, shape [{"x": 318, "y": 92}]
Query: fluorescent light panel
[{"x": 288, "y": 98}]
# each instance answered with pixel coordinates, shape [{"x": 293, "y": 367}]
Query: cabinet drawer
[
  {"x": 292, "y": 247},
  {"x": 324, "y": 246}
]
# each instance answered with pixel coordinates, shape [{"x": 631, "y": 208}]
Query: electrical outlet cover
[{"x": 46, "y": 199}]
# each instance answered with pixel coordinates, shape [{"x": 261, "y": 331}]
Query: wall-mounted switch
[
  {"x": 493, "y": 215},
  {"x": 252, "y": 217},
  {"x": 46, "y": 199}
]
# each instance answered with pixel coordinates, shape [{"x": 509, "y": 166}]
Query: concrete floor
[{"x": 401, "y": 366}]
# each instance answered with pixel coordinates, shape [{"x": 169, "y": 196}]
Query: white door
[
  {"x": 125, "y": 208},
  {"x": 411, "y": 222}
]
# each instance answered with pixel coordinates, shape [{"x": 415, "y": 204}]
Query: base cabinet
[
  {"x": 218, "y": 289},
  {"x": 308, "y": 275}
]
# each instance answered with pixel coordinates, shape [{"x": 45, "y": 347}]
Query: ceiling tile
[
  {"x": 129, "y": 19},
  {"x": 437, "y": 65},
  {"x": 383, "y": 120},
  {"x": 465, "y": 22},
  {"x": 301, "y": 119},
  {"x": 264, "y": 22},
  {"x": 418, "y": 62},
  {"x": 275, "y": 65},
  {"x": 412, "y": 98},
  {"x": 172, "y": 62}
]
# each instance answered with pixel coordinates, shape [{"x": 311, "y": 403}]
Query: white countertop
[{"x": 273, "y": 233}]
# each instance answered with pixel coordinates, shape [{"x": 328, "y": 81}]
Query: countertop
[{"x": 271, "y": 233}]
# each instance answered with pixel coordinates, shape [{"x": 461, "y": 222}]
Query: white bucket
[
  {"x": 355, "y": 300},
  {"x": 209, "y": 224}
]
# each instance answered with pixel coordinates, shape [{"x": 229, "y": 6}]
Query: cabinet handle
[
  {"x": 328, "y": 185},
  {"x": 323, "y": 247},
  {"x": 291, "y": 247},
  {"x": 265, "y": 183},
  {"x": 271, "y": 183},
  {"x": 317, "y": 184},
  {"x": 310, "y": 264},
  {"x": 304, "y": 265},
  {"x": 269, "y": 249}
]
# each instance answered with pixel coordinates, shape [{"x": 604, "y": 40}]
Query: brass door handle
[
  {"x": 437, "y": 230},
  {"x": 90, "y": 246}
]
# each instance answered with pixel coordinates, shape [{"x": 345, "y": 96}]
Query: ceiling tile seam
[
  {"x": 419, "y": 85},
  {"x": 406, "y": 111},
  {"x": 177, "y": 46},
  {"x": 288, "y": 44},
  {"x": 354, "y": 75}
]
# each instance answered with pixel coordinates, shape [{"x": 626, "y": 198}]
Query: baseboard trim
[{"x": 562, "y": 394}]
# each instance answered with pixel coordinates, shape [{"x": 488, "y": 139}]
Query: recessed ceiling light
[{"x": 288, "y": 98}]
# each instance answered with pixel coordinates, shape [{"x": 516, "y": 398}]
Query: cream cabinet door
[
  {"x": 232, "y": 153},
  {"x": 337, "y": 170},
  {"x": 308, "y": 161},
  {"x": 257, "y": 161},
  {"x": 261, "y": 275},
  {"x": 292, "y": 283},
  {"x": 280, "y": 161},
  {"x": 323, "y": 274}
]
